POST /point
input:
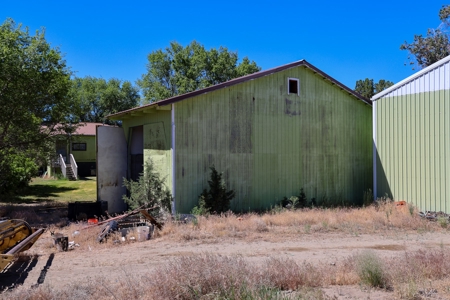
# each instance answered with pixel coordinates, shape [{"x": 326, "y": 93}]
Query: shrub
[
  {"x": 200, "y": 209},
  {"x": 149, "y": 190},
  {"x": 370, "y": 269},
  {"x": 16, "y": 170},
  {"x": 218, "y": 198}
]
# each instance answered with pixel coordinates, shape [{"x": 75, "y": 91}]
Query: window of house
[
  {"x": 78, "y": 146},
  {"x": 293, "y": 86}
]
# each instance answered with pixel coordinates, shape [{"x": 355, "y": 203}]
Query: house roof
[
  {"x": 87, "y": 128},
  {"x": 411, "y": 78},
  {"x": 245, "y": 78},
  {"x": 83, "y": 128}
]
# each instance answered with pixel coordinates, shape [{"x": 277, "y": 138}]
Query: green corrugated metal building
[
  {"x": 271, "y": 133},
  {"x": 411, "y": 134}
]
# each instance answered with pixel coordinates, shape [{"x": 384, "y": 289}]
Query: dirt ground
[
  {"x": 59, "y": 269},
  {"x": 45, "y": 264}
]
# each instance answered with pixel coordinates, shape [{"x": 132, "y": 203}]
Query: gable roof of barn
[{"x": 245, "y": 78}]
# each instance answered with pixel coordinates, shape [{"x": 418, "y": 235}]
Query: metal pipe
[
  {"x": 24, "y": 243},
  {"x": 374, "y": 137},
  {"x": 173, "y": 159}
]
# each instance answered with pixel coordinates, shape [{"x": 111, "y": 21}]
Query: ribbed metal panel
[
  {"x": 156, "y": 139},
  {"x": 412, "y": 140},
  {"x": 270, "y": 144}
]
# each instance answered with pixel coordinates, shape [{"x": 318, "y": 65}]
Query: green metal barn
[
  {"x": 270, "y": 133},
  {"x": 411, "y": 134}
]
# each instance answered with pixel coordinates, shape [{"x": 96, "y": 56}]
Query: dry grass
[
  {"x": 37, "y": 215},
  {"x": 279, "y": 225},
  {"x": 210, "y": 276},
  {"x": 271, "y": 226}
]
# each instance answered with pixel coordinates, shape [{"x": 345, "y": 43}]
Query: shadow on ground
[
  {"x": 17, "y": 273},
  {"x": 38, "y": 193}
]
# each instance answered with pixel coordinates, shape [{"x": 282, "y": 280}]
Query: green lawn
[{"x": 59, "y": 190}]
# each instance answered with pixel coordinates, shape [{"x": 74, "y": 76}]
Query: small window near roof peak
[{"x": 293, "y": 86}]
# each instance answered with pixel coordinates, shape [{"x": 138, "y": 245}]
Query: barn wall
[
  {"x": 270, "y": 144},
  {"x": 412, "y": 141},
  {"x": 156, "y": 139}
]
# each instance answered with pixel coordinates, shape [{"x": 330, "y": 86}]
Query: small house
[{"x": 75, "y": 150}]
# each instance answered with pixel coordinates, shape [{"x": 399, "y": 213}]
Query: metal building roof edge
[
  {"x": 238, "y": 80},
  {"x": 410, "y": 78}
]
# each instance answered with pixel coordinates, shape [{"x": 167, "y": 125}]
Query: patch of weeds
[
  {"x": 245, "y": 292},
  {"x": 443, "y": 222},
  {"x": 200, "y": 209},
  {"x": 298, "y": 201},
  {"x": 370, "y": 269},
  {"x": 411, "y": 209},
  {"x": 408, "y": 290},
  {"x": 368, "y": 197},
  {"x": 60, "y": 176},
  {"x": 276, "y": 209},
  {"x": 307, "y": 228},
  {"x": 260, "y": 225},
  {"x": 295, "y": 202}
]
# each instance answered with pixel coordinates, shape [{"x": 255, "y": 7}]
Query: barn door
[{"x": 111, "y": 167}]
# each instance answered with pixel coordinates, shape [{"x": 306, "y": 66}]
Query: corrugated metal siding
[
  {"x": 434, "y": 80},
  {"x": 413, "y": 123},
  {"x": 157, "y": 140},
  {"x": 270, "y": 144}
]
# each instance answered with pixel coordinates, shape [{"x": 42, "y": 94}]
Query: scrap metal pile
[
  {"x": 434, "y": 216},
  {"x": 127, "y": 222}
]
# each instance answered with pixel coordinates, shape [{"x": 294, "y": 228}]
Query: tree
[
  {"x": 382, "y": 85},
  {"x": 434, "y": 46},
  {"x": 34, "y": 85},
  {"x": 178, "y": 70},
  {"x": 95, "y": 98},
  {"x": 217, "y": 199},
  {"x": 367, "y": 88}
]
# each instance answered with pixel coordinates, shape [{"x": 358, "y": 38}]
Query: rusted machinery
[{"x": 15, "y": 236}]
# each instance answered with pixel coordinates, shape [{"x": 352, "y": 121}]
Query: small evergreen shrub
[
  {"x": 299, "y": 201},
  {"x": 217, "y": 199},
  {"x": 149, "y": 190}
]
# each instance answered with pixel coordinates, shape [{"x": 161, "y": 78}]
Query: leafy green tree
[
  {"x": 427, "y": 50},
  {"x": 178, "y": 70},
  {"x": 34, "y": 85},
  {"x": 367, "y": 88},
  {"x": 95, "y": 98}
]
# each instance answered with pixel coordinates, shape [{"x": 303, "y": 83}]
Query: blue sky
[{"x": 347, "y": 40}]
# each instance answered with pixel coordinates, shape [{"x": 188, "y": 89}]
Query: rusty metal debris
[
  {"x": 434, "y": 216},
  {"x": 126, "y": 221},
  {"x": 60, "y": 241}
]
